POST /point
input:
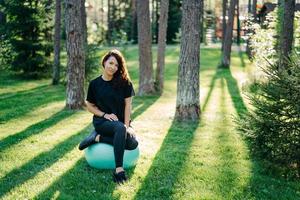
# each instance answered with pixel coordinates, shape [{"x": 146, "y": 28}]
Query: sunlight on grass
[
  {"x": 44, "y": 179},
  {"x": 36, "y": 116},
  {"x": 152, "y": 127},
  {"x": 40, "y": 160},
  {"x": 216, "y": 166},
  {"x": 35, "y": 145}
]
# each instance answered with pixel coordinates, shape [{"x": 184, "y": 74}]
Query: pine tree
[
  {"x": 273, "y": 125},
  {"x": 28, "y": 31}
]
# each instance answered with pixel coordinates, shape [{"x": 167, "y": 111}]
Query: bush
[{"x": 273, "y": 125}]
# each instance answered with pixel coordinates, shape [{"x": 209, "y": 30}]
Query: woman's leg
[
  {"x": 117, "y": 131},
  {"x": 130, "y": 143}
]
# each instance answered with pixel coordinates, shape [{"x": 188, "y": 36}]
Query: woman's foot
[
  {"x": 119, "y": 175},
  {"x": 89, "y": 140}
]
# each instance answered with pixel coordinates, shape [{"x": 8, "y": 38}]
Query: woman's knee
[{"x": 120, "y": 129}]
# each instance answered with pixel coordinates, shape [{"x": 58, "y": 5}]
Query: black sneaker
[
  {"x": 119, "y": 177},
  {"x": 89, "y": 140}
]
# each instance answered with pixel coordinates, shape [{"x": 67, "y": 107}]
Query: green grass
[{"x": 206, "y": 160}]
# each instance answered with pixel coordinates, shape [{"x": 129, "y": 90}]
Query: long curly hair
[{"x": 121, "y": 77}]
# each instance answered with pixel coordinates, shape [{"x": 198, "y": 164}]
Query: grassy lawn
[{"x": 39, "y": 158}]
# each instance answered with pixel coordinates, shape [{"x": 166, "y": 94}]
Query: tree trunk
[
  {"x": 109, "y": 22},
  {"x": 201, "y": 22},
  {"x": 2, "y": 18},
  {"x": 156, "y": 20},
  {"x": 56, "y": 64},
  {"x": 249, "y": 6},
  {"x": 248, "y": 49},
  {"x": 187, "y": 104},
  {"x": 224, "y": 11},
  {"x": 84, "y": 26},
  {"x": 254, "y": 10},
  {"x": 225, "y": 62},
  {"x": 162, "y": 34},
  {"x": 75, "y": 52},
  {"x": 145, "y": 55},
  {"x": 238, "y": 37},
  {"x": 134, "y": 21},
  {"x": 287, "y": 29}
]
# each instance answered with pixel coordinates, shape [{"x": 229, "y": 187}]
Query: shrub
[{"x": 273, "y": 125}]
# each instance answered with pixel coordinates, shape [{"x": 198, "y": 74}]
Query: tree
[
  {"x": 201, "y": 22},
  {"x": 145, "y": 55},
  {"x": 238, "y": 37},
  {"x": 248, "y": 49},
  {"x": 187, "y": 104},
  {"x": 26, "y": 35},
  {"x": 226, "y": 52},
  {"x": 133, "y": 31},
  {"x": 254, "y": 10},
  {"x": 56, "y": 64},
  {"x": 83, "y": 21},
  {"x": 287, "y": 29},
  {"x": 75, "y": 52},
  {"x": 109, "y": 22},
  {"x": 163, "y": 22},
  {"x": 2, "y": 18},
  {"x": 173, "y": 20},
  {"x": 224, "y": 10}
]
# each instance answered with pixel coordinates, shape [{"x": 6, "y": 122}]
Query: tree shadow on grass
[
  {"x": 232, "y": 87},
  {"x": 234, "y": 91},
  {"x": 167, "y": 164},
  {"x": 23, "y": 102},
  {"x": 85, "y": 182},
  {"x": 228, "y": 174},
  {"x": 42, "y": 161},
  {"x": 82, "y": 182},
  {"x": 8, "y": 95},
  {"x": 34, "y": 129},
  {"x": 262, "y": 184},
  {"x": 241, "y": 55}
]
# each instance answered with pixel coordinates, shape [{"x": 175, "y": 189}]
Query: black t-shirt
[{"x": 108, "y": 99}]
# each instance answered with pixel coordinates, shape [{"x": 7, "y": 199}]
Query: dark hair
[{"x": 121, "y": 77}]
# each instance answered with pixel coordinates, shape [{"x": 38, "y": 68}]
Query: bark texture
[
  {"x": 162, "y": 34},
  {"x": 75, "y": 52},
  {"x": 226, "y": 52},
  {"x": 187, "y": 104},
  {"x": 287, "y": 29},
  {"x": 146, "y": 85}
]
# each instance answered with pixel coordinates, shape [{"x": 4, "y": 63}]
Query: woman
[{"x": 109, "y": 99}]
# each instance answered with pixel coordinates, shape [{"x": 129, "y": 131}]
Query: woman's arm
[
  {"x": 96, "y": 111},
  {"x": 127, "y": 111},
  {"x": 92, "y": 108}
]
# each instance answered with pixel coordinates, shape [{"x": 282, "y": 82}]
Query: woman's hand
[
  {"x": 111, "y": 117},
  {"x": 130, "y": 130}
]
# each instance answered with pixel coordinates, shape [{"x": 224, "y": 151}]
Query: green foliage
[
  {"x": 92, "y": 62},
  {"x": 273, "y": 126},
  {"x": 26, "y": 35},
  {"x": 174, "y": 20}
]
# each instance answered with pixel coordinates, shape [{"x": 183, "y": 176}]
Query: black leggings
[{"x": 114, "y": 133}]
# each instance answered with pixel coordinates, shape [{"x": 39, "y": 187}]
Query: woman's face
[{"x": 111, "y": 66}]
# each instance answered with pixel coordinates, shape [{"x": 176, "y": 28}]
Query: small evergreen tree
[{"x": 273, "y": 126}]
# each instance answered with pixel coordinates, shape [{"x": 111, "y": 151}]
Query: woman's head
[{"x": 114, "y": 64}]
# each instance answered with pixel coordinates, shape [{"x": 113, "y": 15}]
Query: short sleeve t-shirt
[{"x": 107, "y": 98}]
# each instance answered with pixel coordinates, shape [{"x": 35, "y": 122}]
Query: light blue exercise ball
[{"x": 101, "y": 156}]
